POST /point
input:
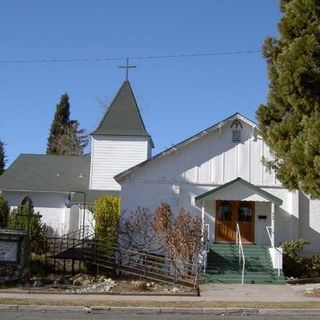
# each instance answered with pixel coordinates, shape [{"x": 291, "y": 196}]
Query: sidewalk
[
  {"x": 208, "y": 292},
  {"x": 215, "y": 298}
]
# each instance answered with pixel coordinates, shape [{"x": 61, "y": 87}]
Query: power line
[{"x": 108, "y": 59}]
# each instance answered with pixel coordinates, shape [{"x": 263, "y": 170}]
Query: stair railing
[
  {"x": 241, "y": 252},
  {"x": 271, "y": 235}
]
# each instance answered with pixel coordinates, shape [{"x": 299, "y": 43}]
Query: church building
[
  {"x": 217, "y": 174},
  {"x": 120, "y": 142}
]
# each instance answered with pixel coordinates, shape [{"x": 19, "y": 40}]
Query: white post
[{"x": 272, "y": 223}]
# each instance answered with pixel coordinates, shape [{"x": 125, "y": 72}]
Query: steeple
[
  {"x": 120, "y": 142},
  {"x": 123, "y": 117}
]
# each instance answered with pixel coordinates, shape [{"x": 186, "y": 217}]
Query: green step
[{"x": 223, "y": 265}]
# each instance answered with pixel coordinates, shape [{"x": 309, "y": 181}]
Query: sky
[{"x": 178, "y": 96}]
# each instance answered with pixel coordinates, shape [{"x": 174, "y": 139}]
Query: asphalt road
[{"x": 29, "y": 315}]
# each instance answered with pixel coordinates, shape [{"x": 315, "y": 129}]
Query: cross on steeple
[{"x": 127, "y": 66}]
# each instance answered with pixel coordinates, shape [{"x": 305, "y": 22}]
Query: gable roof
[
  {"x": 123, "y": 117},
  {"x": 37, "y": 172},
  {"x": 239, "y": 181},
  {"x": 119, "y": 177}
]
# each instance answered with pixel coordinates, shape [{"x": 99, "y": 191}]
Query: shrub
[
  {"x": 294, "y": 265},
  {"x": 106, "y": 214},
  {"x": 18, "y": 220},
  {"x": 181, "y": 234},
  {"x": 315, "y": 265},
  {"x": 137, "y": 232}
]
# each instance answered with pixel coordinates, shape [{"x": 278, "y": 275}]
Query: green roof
[
  {"x": 36, "y": 172},
  {"x": 51, "y": 173},
  {"x": 123, "y": 117},
  {"x": 257, "y": 190}
]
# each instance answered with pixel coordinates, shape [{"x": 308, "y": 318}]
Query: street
[{"x": 30, "y": 315}]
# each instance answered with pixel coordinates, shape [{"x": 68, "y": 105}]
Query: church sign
[
  {"x": 12, "y": 255},
  {"x": 8, "y": 251}
]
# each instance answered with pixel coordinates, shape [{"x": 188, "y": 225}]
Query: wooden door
[
  {"x": 228, "y": 214},
  {"x": 245, "y": 218}
]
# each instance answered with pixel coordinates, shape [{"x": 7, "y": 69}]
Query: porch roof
[{"x": 239, "y": 189}]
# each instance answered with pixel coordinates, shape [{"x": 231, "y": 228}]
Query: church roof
[
  {"x": 52, "y": 173},
  {"x": 123, "y": 117}
]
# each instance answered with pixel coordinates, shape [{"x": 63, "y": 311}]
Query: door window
[
  {"x": 245, "y": 212},
  {"x": 225, "y": 211}
]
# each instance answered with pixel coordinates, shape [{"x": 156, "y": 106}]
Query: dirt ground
[{"x": 104, "y": 284}]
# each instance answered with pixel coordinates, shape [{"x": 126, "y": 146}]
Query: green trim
[{"x": 257, "y": 190}]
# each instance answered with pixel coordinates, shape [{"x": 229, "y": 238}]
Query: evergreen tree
[
  {"x": 4, "y": 212},
  {"x": 2, "y": 158},
  {"x": 290, "y": 121},
  {"x": 65, "y": 136}
]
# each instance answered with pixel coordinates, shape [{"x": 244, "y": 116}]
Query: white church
[{"x": 216, "y": 174}]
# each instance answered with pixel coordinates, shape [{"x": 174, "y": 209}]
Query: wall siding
[
  {"x": 214, "y": 159},
  {"x": 207, "y": 163},
  {"x": 112, "y": 155},
  {"x": 50, "y": 205}
]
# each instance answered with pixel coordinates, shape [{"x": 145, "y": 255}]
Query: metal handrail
[
  {"x": 272, "y": 246},
  {"x": 241, "y": 252}
]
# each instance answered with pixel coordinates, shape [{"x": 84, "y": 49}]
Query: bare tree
[
  {"x": 182, "y": 236},
  {"x": 137, "y": 232}
]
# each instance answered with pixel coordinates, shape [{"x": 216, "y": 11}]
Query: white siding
[
  {"x": 214, "y": 159},
  {"x": 209, "y": 162},
  {"x": 112, "y": 155},
  {"x": 50, "y": 205}
]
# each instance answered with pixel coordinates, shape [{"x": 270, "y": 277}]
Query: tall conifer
[
  {"x": 65, "y": 136},
  {"x": 290, "y": 121},
  {"x": 2, "y": 158}
]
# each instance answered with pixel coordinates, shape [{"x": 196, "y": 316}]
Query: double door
[{"x": 228, "y": 214}]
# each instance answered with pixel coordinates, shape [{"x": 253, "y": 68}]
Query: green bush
[
  {"x": 294, "y": 265},
  {"x": 315, "y": 265},
  {"x": 106, "y": 215},
  {"x": 18, "y": 220}
]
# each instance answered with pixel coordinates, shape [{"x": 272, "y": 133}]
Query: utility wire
[{"x": 107, "y": 59}]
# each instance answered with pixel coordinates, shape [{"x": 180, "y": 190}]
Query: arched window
[
  {"x": 236, "y": 127},
  {"x": 26, "y": 204}
]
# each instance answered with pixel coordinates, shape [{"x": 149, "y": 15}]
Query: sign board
[{"x": 8, "y": 251}]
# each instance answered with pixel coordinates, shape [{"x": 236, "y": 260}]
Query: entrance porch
[
  {"x": 241, "y": 237},
  {"x": 241, "y": 203}
]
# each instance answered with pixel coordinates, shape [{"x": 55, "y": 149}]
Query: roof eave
[{"x": 264, "y": 194}]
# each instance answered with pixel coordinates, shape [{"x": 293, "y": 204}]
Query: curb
[{"x": 159, "y": 310}]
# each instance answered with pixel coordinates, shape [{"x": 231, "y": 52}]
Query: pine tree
[
  {"x": 65, "y": 136},
  {"x": 290, "y": 121},
  {"x": 2, "y": 158}
]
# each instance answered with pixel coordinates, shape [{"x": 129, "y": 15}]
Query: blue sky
[{"x": 178, "y": 97}]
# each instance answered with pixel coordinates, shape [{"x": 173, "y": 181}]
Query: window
[
  {"x": 225, "y": 211},
  {"x": 236, "y": 132},
  {"x": 245, "y": 212},
  {"x": 26, "y": 204},
  {"x": 236, "y": 136}
]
